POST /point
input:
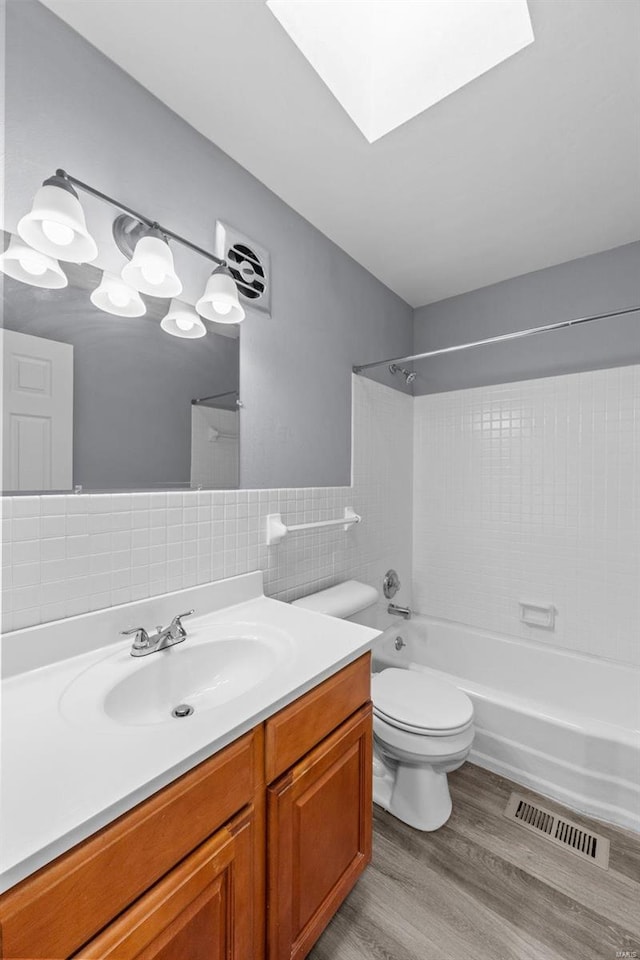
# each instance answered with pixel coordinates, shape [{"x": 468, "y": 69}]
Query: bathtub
[{"x": 563, "y": 724}]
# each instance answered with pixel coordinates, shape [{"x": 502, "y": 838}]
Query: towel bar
[{"x": 277, "y": 529}]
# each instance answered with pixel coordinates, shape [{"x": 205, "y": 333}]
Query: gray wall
[
  {"x": 597, "y": 284},
  {"x": 68, "y": 106}
]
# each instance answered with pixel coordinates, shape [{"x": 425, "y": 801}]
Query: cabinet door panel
[
  {"x": 202, "y": 910},
  {"x": 319, "y": 818}
]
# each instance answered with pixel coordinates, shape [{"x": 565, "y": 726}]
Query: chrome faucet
[
  {"x": 143, "y": 644},
  {"x": 398, "y": 611}
]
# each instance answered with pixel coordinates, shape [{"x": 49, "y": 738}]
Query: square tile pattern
[
  {"x": 66, "y": 555},
  {"x": 526, "y": 491},
  {"x": 531, "y": 491}
]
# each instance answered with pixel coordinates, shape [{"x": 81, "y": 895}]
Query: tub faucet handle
[{"x": 390, "y": 584}]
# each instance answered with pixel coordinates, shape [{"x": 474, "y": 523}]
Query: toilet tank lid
[{"x": 343, "y": 600}]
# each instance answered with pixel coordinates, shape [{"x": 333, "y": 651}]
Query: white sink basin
[{"x": 214, "y": 665}]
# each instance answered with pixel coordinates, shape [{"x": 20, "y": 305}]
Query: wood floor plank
[
  {"x": 452, "y": 921},
  {"x": 616, "y": 895},
  {"x": 376, "y": 922},
  {"x": 625, "y": 845},
  {"x": 482, "y": 888},
  {"x": 512, "y": 894}
]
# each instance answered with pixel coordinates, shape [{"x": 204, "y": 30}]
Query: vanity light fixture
[
  {"x": 115, "y": 296},
  {"x": 220, "y": 302},
  {"x": 56, "y": 225},
  {"x": 183, "y": 321},
  {"x": 151, "y": 268},
  {"x": 23, "y": 263}
]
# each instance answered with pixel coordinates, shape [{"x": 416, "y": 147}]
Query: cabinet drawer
[
  {"x": 303, "y": 724},
  {"x": 202, "y": 910},
  {"x": 52, "y": 913}
]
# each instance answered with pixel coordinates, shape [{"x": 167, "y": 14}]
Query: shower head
[{"x": 408, "y": 375}]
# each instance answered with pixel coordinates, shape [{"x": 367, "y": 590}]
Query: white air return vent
[{"x": 249, "y": 264}]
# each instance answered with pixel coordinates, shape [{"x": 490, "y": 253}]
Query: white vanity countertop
[{"x": 63, "y": 779}]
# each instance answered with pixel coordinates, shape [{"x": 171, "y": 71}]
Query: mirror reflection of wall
[{"x": 105, "y": 402}]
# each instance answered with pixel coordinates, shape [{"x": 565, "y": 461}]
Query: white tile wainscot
[{"x": 67, "y": 555}]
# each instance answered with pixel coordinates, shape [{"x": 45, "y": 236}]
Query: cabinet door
[
  {"x": 319, "y": 841},
  {"x": 202, "y": 910}
]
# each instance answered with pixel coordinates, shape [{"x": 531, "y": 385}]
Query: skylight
[{"x": 386, "y": 61}]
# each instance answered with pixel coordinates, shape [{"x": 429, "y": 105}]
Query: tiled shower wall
[
  {"x": 531, "y": 491},
  {"x": 65, "y": 555}
]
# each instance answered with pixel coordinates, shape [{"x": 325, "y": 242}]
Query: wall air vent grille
[
  {"x": 249, "y": 264},
  {"x": 564, "y": 833}
]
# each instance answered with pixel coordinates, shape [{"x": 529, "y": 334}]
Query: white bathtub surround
[
  {"x": 79, "y": 737},
  {"x": 530, "y": 492},
  {"x": 565, "y": 724},
  {"x": 66, "y": 555}
]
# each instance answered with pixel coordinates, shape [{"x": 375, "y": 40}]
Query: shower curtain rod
[
  {"x": 215, "y": 396},
  {"x": 516, "y": 335}
]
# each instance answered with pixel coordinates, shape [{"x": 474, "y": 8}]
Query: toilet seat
[
  {"x": 420, "y": 704},
  {"x": 421, "y": 731}
]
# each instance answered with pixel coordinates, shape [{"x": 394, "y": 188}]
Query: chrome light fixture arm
[{"x": 136, "y": 215}]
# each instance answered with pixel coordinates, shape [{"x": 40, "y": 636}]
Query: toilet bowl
[
  {"x": 422, "y": 726},
  {"x": 423, "y": 729}
]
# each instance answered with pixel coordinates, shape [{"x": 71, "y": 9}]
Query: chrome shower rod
[
  {"x": 516, "y": 335},
  {"x": 139, "y": 216}
]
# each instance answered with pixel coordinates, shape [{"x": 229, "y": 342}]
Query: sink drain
[{"x": 182, "y": 710}]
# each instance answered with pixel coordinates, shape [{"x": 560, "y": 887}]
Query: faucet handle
[
  {"x": 176, "y": 628},
  {"x": 141, "y": 641}
]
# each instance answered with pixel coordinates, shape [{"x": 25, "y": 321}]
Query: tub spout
[{"x": 398, "y": 611}]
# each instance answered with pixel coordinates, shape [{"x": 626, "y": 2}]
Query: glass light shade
[
  {"x": 151, "y": 268},
  {"x": 220, "y": 302},
  {"x": 183, "y": 321},
  {"x": 56, "y": 224},
  {"x": 114, "y": 296},
  {"x": 23, "y": 263}
]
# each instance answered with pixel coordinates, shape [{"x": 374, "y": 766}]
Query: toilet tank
[{"x": 350, "y": 600}]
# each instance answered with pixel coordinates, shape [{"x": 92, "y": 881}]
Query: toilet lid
[{"x": 419, "y": 701}]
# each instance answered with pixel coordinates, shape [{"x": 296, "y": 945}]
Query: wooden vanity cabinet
[
  {"x": 54, "y": 912},
  {"x": 319, "y": 830},
  {"x": 202, "y": 909},
  {"x": 183, "y": 876}
]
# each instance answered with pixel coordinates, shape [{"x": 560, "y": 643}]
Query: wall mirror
[{"x": 98, "y": 402}]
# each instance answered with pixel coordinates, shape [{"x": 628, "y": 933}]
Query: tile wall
[
  {"x": 525, "y": 491},
  {"x": 531, "y": 491},
  {"x": 65, "y": 555}
]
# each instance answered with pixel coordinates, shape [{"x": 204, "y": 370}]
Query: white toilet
[{"x": 422, "y": 726}]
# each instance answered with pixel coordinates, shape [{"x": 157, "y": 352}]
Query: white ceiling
[
  {"x": 388, "y": 60},
  {"x": 534, "y": 163}
]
